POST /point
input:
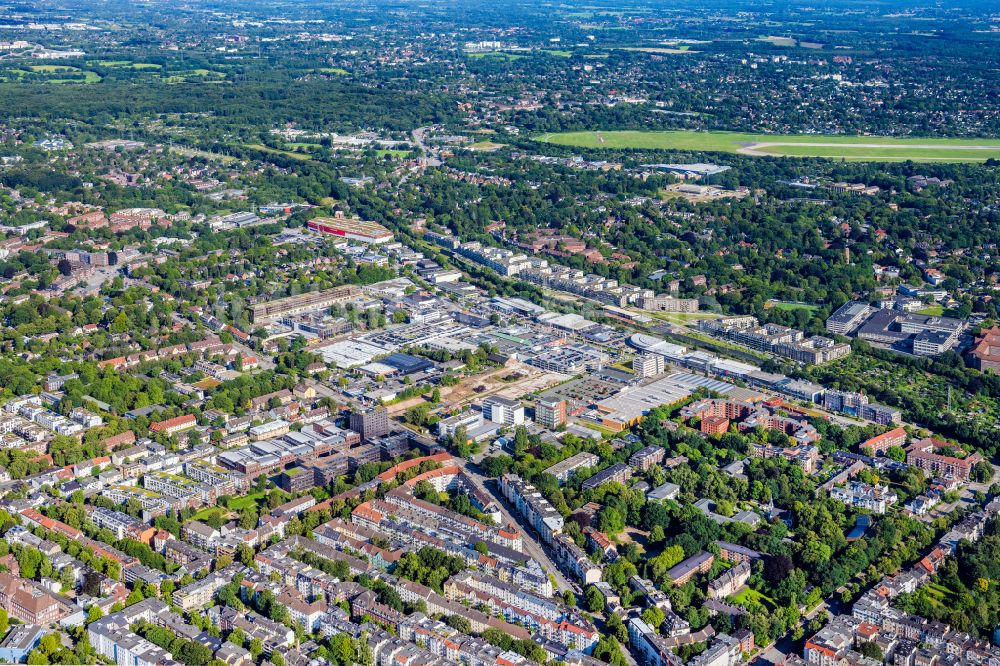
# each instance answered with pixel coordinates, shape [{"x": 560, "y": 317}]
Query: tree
[
  {"x": 29, "y": 560},
  {"x": 897, "y": 453},
  {"x": 609, "y": 651},
  {"x": 610, "y": 521},
  {"x": 654, "y": 617},
  {"x": 871, "y": 650},
  {"x": 237, "y": 637},
  {"x": 982, "y": 472},
  {"x": 664, "y": 562},
  {"x": 459, "y": 623},
  {"x": 569, "y": 598},
  {"x": 595, "y": 600}
]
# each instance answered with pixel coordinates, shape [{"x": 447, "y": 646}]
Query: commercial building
[
  {"x": 924, "y": 335},
  {"x": 353, "y": 229},
  {"x": 371, "y": 423},
  {"x": 297, "y": 479},
  {"x": 293, "y": 305},
  {"x": 19, "y": 641},
  {"x": 469, "y": 419},
  {"x": 848, "y": 317},
  {"x": 648, "y": 365},
  {"x": 503, "y": 411},
  {"x": 550, "y": 413}
]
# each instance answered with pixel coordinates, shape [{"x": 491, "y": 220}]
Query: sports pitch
[{"x": 863, "y": 148}]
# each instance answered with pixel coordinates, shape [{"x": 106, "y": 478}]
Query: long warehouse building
[{"x": 293, "y": 305}]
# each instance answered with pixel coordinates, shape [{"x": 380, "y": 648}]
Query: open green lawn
[
  {"x": 208, "y": 512},
  {"x": 245, "y": 501},
  {"x": 805, "y": 145},
  {"x": 932, "y": 310},
  {"x": 558, "y": 53},
  {"x": 340, "y": 71},
  {"x": 748, "y": 596}
]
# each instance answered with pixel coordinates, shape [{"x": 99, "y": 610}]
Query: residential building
[
  {"x": 618, "y": 473},
  {"x": 693, "y": 565},
  {"x": 564, "y": 469},
  {"x": 646, "y": 457},
  {"x": 729, "y": 582},
  {"x": 530, "y": 503},
  {"x": 876, "y": 499}
]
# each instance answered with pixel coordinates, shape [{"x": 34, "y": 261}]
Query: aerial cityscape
[{"x": 450, "y": 332}]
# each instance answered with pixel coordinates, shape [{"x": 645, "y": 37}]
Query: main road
[{"x": 530, "y": 544}]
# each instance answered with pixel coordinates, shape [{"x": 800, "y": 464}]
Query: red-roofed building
[
  {"x": 126, "y": 438},
  {"x": 879, "y": 444},
  {"x": 174, "y": 425},
  {"x": 116, "y": 363},
  {"x": 391, "y": 473},
  {"x": 34, "y": 517}
]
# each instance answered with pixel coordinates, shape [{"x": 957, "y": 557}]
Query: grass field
[
  {"x": 865, "y": 148},
  {"x": 246, "y": 501},
  {"x": 748, "y": 596},
  {"x": 791, "y": 305},
  {"x": 208, "y": 512}
]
